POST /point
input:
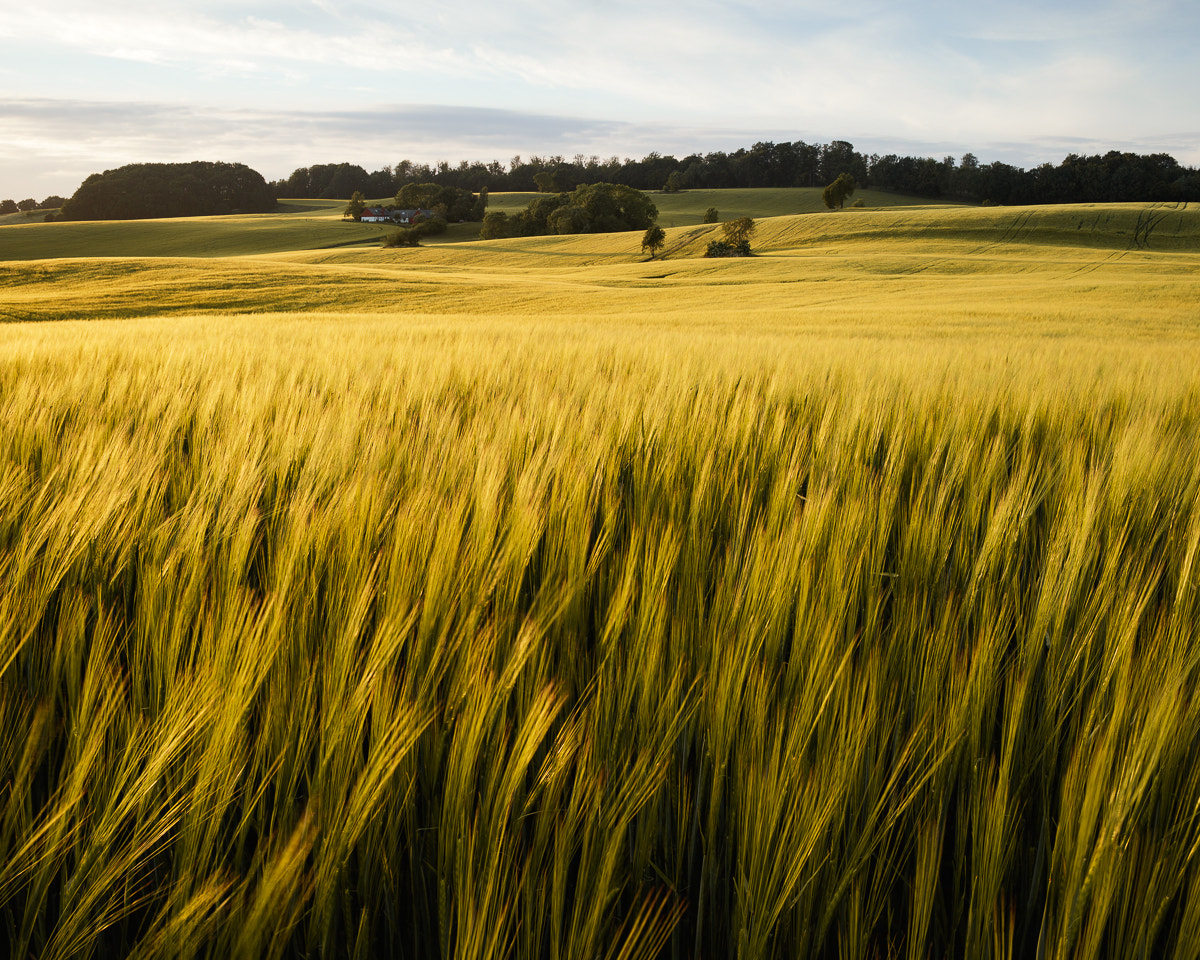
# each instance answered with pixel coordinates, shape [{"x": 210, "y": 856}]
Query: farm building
[
  {"x": 403, "y": 217},
  {"x": 408, "y": 217}
]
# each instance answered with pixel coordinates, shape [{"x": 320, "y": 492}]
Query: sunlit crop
[{"x": 838, "y": 602}]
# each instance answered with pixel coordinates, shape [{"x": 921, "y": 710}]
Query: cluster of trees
[
  {"x": 333, "y": 181},
  {"x": 1108, "y": 178},
  {"x": 30, "y": 205},
  {"x": 147, "y": 190},
  {"x": 447, "y": 203},
  {"x": 590, "y": 208},
  {"x": 453, "y": 204}
]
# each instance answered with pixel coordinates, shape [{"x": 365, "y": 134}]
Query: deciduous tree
[
  {"x": 739, "y": 230},
  {"x": 495, "y": 226},
  {"x": 654, "y": 240},
  {"x": 836, "y": 193}
]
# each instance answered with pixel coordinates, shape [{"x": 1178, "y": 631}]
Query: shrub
[
  {"x": 711, "y": 215},
  {"x": 860, "y": 202},
  {"x": 723, "y": 248},
  {"x": 404, "y": 237},
  {"x": 431, "y": 227}
]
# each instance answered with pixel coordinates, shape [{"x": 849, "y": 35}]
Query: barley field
[{"x": 531, "y": 599}]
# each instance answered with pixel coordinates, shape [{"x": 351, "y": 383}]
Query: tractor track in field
[
  {"x": 1010, "y": 235},
  {"x": 1146, "y": 222},
  {"x": 1095, "y": 265},
  {"x": 686, "y": 238}
]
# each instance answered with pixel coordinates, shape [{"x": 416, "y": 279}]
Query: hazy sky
[{"x": 86, "y": 86}]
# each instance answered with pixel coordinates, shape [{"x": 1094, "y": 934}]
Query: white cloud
[{"x": 934, "y": 71}]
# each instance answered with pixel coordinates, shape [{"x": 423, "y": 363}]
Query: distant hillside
[
  {"x": 319, "y": 224},
  {"x": 145, "y": 191},
  {"x": 968, "y": 265}
]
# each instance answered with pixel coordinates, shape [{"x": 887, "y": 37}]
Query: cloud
[
  {"x": 52, "y": 145},
  {"x": 290, "y": 82}
]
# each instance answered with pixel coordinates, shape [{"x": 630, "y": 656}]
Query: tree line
[
  {"x": 29, "y": 206},
  {"x": 1111, "y": 177},
  {"x": 170, "y": 190}
]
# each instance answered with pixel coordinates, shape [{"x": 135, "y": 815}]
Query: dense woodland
[
  {"x": 1113, "y": 177},
  {"x": 148, "y": 190}
]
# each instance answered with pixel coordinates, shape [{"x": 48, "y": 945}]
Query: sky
[{"x": 87, "y": 86}]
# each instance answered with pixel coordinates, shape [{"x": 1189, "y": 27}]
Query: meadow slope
[
  {"x": 969, "y": 270},
  {"x": 529, "y": 599},
  {"x": 319, "y": 224}
]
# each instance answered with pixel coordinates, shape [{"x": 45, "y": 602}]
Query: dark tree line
[
  {"x": 29, "y": 205},
  {"x": 200, "y": 188},
  {"x": 765, "y": 165},
  {"x": 148, "y": 190},
  {"x": 1112, "y": 177}
]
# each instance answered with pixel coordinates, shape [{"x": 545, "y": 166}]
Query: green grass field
[{"x": 530, "y": 599}]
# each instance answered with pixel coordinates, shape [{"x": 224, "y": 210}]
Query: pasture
[{"x": 530, "y": 598}]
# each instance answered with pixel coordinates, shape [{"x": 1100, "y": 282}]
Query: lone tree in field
[
  {"x": 356, "y": 206},
  {"x": 739, "y": 231},
  {"x": 836, "y": 193},
  {"x": 711, "y": 215},
  {"x": 654, "y": 240}
]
